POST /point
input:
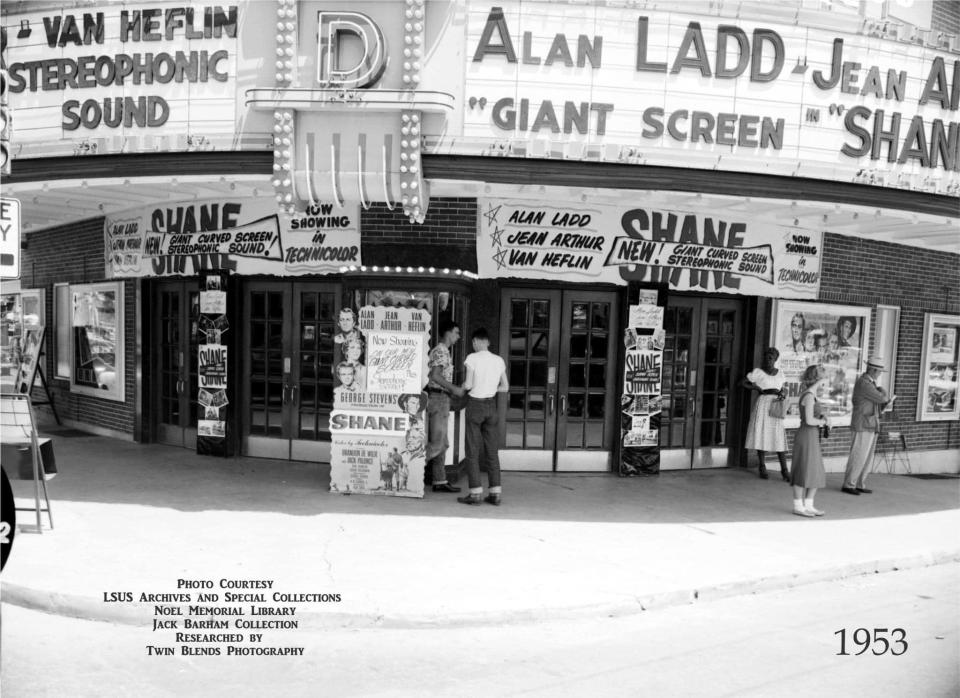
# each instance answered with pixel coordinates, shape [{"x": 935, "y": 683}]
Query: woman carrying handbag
[{"x": 765, "y": 431}]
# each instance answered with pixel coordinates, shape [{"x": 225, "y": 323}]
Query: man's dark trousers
[{"x": 482, "y": 437}]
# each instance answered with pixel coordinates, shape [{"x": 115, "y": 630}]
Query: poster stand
[
  {"x": 30, "y": 367},
  {"x": 18, "y": 429}
]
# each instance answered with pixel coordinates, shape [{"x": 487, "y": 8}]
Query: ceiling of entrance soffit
[
  {"x": 888, "y": 225},
  {"x": 57, "y": 202}
]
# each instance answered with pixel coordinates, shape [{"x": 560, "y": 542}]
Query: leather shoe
[
  {"x": 471, "y": 499},
  {"x": 445, "y": 487},
  {"x": 850, "y": 490},
  {"x": 493, "y": 499},
  {"x": 864, "y": 490}
]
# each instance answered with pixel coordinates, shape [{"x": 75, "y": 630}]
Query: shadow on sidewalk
[{"x": 99, "y": 469}]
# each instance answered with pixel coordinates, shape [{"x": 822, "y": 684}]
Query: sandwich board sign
[{"x": 9, "y": 238}]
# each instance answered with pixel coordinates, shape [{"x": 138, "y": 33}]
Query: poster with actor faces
[
  {"x": 641, "y": 402},
  {"x": 378, "y": 424},
  {"x": 939, "y": 369},
  {"x": 835, "y": 337}
]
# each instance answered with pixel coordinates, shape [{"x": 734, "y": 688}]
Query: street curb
[{"x": 141, "y": 614}]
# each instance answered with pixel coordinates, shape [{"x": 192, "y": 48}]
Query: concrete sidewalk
[{"x": 138, "y": 518}]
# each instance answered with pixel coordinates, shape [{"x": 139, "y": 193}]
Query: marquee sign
[
  {"x": 164, "y": 68},
  {"x": 640, "y": 86}
]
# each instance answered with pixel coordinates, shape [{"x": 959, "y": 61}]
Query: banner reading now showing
[
  {"x": 687, "y": 251},
  {"x": 246, "y": 236}
]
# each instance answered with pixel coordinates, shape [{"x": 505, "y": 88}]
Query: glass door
[
  {"x": 288, "y": 369},
  {"x": 560, "y": 351},
  {"x": 175, "y": 374},
  {"x": 703, "y": 343}
]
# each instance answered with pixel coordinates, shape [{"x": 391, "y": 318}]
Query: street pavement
[{"x": 138, "y": 518}]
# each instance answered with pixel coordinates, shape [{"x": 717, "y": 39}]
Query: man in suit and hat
[{"x": 869, "y": 399}]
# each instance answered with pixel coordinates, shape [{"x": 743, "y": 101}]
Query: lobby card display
[
  {"x": 835, "y": 337},
  {"x": 937, "y": 397},
  {"x": 212, "y": 369},
  {"x": 378, "y": 425},
  {"x": 641, "y": 403}
]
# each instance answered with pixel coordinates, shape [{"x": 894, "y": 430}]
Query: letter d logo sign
[{"x": 350, "y": 39}]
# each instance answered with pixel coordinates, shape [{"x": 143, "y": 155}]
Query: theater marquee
[{"x": 640, "y": 86}]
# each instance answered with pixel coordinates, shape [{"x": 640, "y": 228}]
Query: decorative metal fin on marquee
[{"x": 340, "y": 142}]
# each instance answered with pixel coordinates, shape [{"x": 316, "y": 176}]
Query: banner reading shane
[
  {"x": 246, "y": 236},
  {"x": 687, "y": 251}
]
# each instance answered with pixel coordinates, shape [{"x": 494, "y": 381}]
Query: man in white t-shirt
[{"x": 486, "y": 375}]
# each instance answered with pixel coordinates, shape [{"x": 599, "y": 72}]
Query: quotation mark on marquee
[{"x": 473, "y": 101}]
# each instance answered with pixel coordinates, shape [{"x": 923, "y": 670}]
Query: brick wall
[
  {"x": 75, "y": 254},
  {"x": 859, "y": 271},
  {"x": 447, "y": 237}
]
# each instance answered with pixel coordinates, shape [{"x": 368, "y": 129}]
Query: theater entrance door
[
  {"x": 286, "y": 378},
  {"x": 700, "y": 396},
  {"x": 560, "y": 349},
  {"x": 174, "y": 374}
]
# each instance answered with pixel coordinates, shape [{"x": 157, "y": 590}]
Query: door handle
[
  {"x": 550, "y": 403},
  {"x": 563, "y": 404},
  {"x": 283, "y": 398},
  {"x": 293, "y": 393}
]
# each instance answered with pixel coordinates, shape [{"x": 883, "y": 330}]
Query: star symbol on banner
[
  {"x": 496, "y": 235},
  {"x": 492, "y": 213},
  {"x": 500, "y": 259}
]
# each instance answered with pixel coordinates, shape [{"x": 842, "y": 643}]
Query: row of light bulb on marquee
[
  {"x": 410, "y": 270},
  {"x": 283, "y": 120},
  {"x": 413, "y": 194}
]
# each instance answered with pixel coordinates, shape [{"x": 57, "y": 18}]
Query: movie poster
[
  {"x": 835, "y": 337},
  {"x": 212, "y": 375},
  {"x": 640, "y": 406},
  {"x": 378, "y": 423},
  {"x": 941, "y": 363}
]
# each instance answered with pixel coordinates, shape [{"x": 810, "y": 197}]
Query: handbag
[{"x": 778, "y": 409}]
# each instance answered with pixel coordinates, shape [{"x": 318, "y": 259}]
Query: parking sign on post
[{"x": 9, "y": 238}]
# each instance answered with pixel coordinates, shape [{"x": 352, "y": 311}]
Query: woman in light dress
[{"x": 766, "y": 433}]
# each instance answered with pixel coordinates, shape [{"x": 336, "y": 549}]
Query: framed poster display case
[
  {"x": 937, "y": 398},
  {"x": 835, "y": 337}
]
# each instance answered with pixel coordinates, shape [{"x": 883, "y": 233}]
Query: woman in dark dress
[{"x": 807, "y": 474}]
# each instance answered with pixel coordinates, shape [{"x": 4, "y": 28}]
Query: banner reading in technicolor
[
  {"x": 684, "y": 250},
  {"x": 246, "y": 236},
  {"x": 378, "y": 423}
]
